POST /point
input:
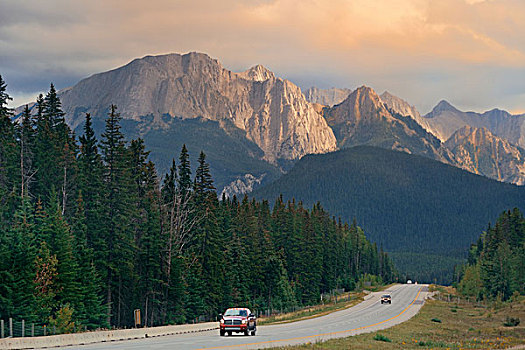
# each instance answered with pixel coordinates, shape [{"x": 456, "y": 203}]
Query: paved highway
[{"x": 368, "y": 316}]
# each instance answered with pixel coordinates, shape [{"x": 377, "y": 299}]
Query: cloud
[{"x": 418, "y": 49}]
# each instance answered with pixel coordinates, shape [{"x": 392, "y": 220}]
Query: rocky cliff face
[
  {"x": 273, "y": 112},
  {"x": 326, "y": 97},
  {"x": 400, "y": 106},
  {"x": 444, "y": 120},
  {"x": 243, "y": 184},
  {"x": 479, "y": 151},
  {"x": 363, "y": 119}
]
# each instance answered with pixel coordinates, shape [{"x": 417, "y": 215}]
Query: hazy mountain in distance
[
  {"x": 481, "y": 152},
  {"x": 326, "y": 97},
  {"x": 445, "y": 119}
]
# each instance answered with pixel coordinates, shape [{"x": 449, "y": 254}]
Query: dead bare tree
[
  {"x": 26, "y": 171},
  {"x": 179, "y": 230}
]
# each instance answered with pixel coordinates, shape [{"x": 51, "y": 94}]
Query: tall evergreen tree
[
  {"x": 90, "y": 310},
  {"x": 56, "y": 233},
  {"x": 8, "y": 153},
  {"x": 91, "y": 187},
  {"x": 120, "y": 253},
  {"x": 184, "y": 179}
]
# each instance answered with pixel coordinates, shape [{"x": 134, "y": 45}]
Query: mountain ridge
[
  {"x": 272, "y": 111},
  {"x": 407, "y": 203},
  {"x": 273, "y": 114}
]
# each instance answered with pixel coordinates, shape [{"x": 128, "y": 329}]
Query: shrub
[
  {"x": 435, "y": 344},
  {"x": 436, "y": 320},
  {"x": 63, "y": 321},
  {"x": 511, "y": 322},
  {"x": 381, "y": 337}
]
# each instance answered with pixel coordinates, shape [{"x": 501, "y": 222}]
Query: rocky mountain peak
[
  {"x": 387, "y": 96},
  {"x": 442, "y": 106},
  {"x": 481, "y": 152},
  {"x": 274, "y": 115},
  {"x": 398, "y": 105},
  {"x": 258, "y": 73},
  {"x": 363, "y": 102}
]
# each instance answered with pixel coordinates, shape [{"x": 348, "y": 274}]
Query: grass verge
[
  {"x": 346, "y": 300},
  {"x": 463, "y": 326}
]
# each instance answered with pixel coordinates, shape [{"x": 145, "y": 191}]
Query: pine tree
[
  {"x": 92, "y": 189},
  {"x": 120, "y": 253},
  {"x": 209, "y": 238},
  {"x": 90, "y": 311},
  {"x": 184, "y": 179},
  {"x": 21, "y": 242},
  {"x": 147, "y": 233},
  {"x": 55, "y": 150},
  {"x": 8, "y": 155},
  {"x": 56, "y": 233}
]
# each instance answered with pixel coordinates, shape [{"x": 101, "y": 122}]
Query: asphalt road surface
[{"x": 368, "y": 316}]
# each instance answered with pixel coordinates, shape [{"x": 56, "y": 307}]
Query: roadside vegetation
[
  {"x": 335, "y": 303},
  {"x": 448, "y": 322}
]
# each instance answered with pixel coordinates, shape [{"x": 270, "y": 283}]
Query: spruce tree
[
  {"x": 55, "y": 150},
  {"x": 184, "y": 179},
  {"x": 8, "y": 154},
  {"x": 120, "y": 251},
  {"x": 56, "y": 233},
  {"x": 208, "y": 236},
  {"x": 92, "y": 190},
  {"x": 21, "y": 270},
  {"x": 90, "y": 311}
]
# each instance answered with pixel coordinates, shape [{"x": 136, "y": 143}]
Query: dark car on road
[
  {"x": 386, "y": 298},
  {"x": 239, "y": 320}
]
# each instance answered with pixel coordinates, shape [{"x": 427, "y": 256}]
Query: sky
[{"x": 468, "y": 52}]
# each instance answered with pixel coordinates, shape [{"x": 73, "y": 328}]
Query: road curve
[{"x": 368, "y": 316}]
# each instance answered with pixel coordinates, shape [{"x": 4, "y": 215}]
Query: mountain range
[{"x": 266, "y": 123}]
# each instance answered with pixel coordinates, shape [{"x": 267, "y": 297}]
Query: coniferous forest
[
  {"x": 496, "y": 263},
  {"x": 89, "y": 232}
]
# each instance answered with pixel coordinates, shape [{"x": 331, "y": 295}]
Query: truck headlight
[
  {"x": 222, "y": 321},
  {"x": 243, "y": 321}
]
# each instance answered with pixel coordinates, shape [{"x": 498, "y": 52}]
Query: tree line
[
  {"x": 496, "y": 263},
  {"x": 90, "y": 232}
]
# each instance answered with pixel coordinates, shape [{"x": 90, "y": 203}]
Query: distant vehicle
[
  {"x": 386, "y": 298},
  {"x": 409, "y": 282},
  {"x": 238, "y": 320}
]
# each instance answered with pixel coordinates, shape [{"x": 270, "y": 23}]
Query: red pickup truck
[{"x": 239, "y": 320}]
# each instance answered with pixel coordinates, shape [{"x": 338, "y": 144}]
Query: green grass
[
  {"x": 348, "y": 300},
  {"x": 345, "y": 301}
]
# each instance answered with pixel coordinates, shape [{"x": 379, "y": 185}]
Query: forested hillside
[
  {"x": 89, "y": 232},
  {"x": 230, "y": 154},
  {"x": 496, "y": 263},
  {"x": 426, "y": 213}
]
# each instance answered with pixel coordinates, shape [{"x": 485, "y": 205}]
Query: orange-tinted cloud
[{"x": 400, "y": 45}]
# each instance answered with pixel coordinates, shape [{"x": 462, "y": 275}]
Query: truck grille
[{"x": 232, "y": 322}]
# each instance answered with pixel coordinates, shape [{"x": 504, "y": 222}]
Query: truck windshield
[{"x": 234, "y": 312}]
